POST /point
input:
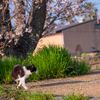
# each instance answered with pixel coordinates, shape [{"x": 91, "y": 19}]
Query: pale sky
[{"x": 97, "y": 2}]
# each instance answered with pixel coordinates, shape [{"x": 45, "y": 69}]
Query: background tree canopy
[{"x": 33, "y": 19}]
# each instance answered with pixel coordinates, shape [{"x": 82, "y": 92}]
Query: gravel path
[{"x": 88, "y": 85}]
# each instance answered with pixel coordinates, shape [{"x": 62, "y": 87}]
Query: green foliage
[
  {"x": 84, "y": 54},
  {"x": 51, "y": 62},
  {"x": 55, "y": 62},
  {"x": 76, "y": 97},
  {"x": 97, "y": 53},
  {"x": 7, "y": 92},
  {"x": 78, "y": 68},
  {"x": 6, "y": 67}
]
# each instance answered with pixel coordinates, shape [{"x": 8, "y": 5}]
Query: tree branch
[{"x": 57, "y": 16}]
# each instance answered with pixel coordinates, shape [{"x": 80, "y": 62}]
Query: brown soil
[{"x": 88, "y": 85}]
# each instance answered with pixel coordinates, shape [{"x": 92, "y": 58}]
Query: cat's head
[{"x": 32, "y": 68}]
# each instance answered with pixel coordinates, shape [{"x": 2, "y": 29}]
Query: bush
[
  {"x": 56, "y": 62},
  {"x": 52, "y": 62},
  {"x": 77, "y": 68},
  {"x": 6, "y": 67}
]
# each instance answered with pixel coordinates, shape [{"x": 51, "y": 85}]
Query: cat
[{"x": 21, "y": 73}]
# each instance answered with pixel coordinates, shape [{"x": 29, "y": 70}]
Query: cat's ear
[{"x": 32, "y": 65}]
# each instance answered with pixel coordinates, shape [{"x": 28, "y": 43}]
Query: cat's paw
[
  {"x": 26, "y": 88},
  {"x": 18, "y": 87}
]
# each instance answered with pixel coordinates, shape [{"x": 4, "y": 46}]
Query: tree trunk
[
  {"x": 38, "y": 18},
  {"x": 29, "y": 40},
  {"x": 20, "y": 15},
  {"x": 4, "y": 16},
  {"x": 5, "y": 24}
]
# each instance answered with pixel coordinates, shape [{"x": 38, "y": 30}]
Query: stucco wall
[{"x": 55, "y": 39}]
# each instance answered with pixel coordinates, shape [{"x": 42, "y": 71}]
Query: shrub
[
  {"x": 55, "y": 62},
  {"x": 6, "y": 67},
  {"x": 52, "y": 62},
  {"x": 77, "y": 68}
]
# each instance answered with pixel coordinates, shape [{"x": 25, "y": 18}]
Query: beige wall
[{"x": 55, "y": 39}]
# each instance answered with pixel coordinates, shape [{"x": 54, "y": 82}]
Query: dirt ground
[{"x": 88, "y": 85}]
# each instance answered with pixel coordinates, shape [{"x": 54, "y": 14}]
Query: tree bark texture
[
  {"x": 28, "y": 41},
  {"x": 5, "y": 25}
]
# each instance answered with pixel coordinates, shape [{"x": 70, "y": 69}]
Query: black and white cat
[{"x": 21, "y": 73}]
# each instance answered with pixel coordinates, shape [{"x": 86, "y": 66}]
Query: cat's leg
[
  {"x": 23, "y": 83},
  {"x": 19, "y": 84}
]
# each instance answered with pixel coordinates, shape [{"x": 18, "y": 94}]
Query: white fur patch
[
  {"x": 22, "y": 79},
  {"x": 27, "y": 72}
]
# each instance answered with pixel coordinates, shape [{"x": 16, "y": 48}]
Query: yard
[{"x": 58, "y": 75}]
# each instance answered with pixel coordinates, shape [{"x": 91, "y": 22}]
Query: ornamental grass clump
[
  {"x": 51, "y": 62},
  {"x": 6, "y": 67},
  {"x": 56, "y": 62}
]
